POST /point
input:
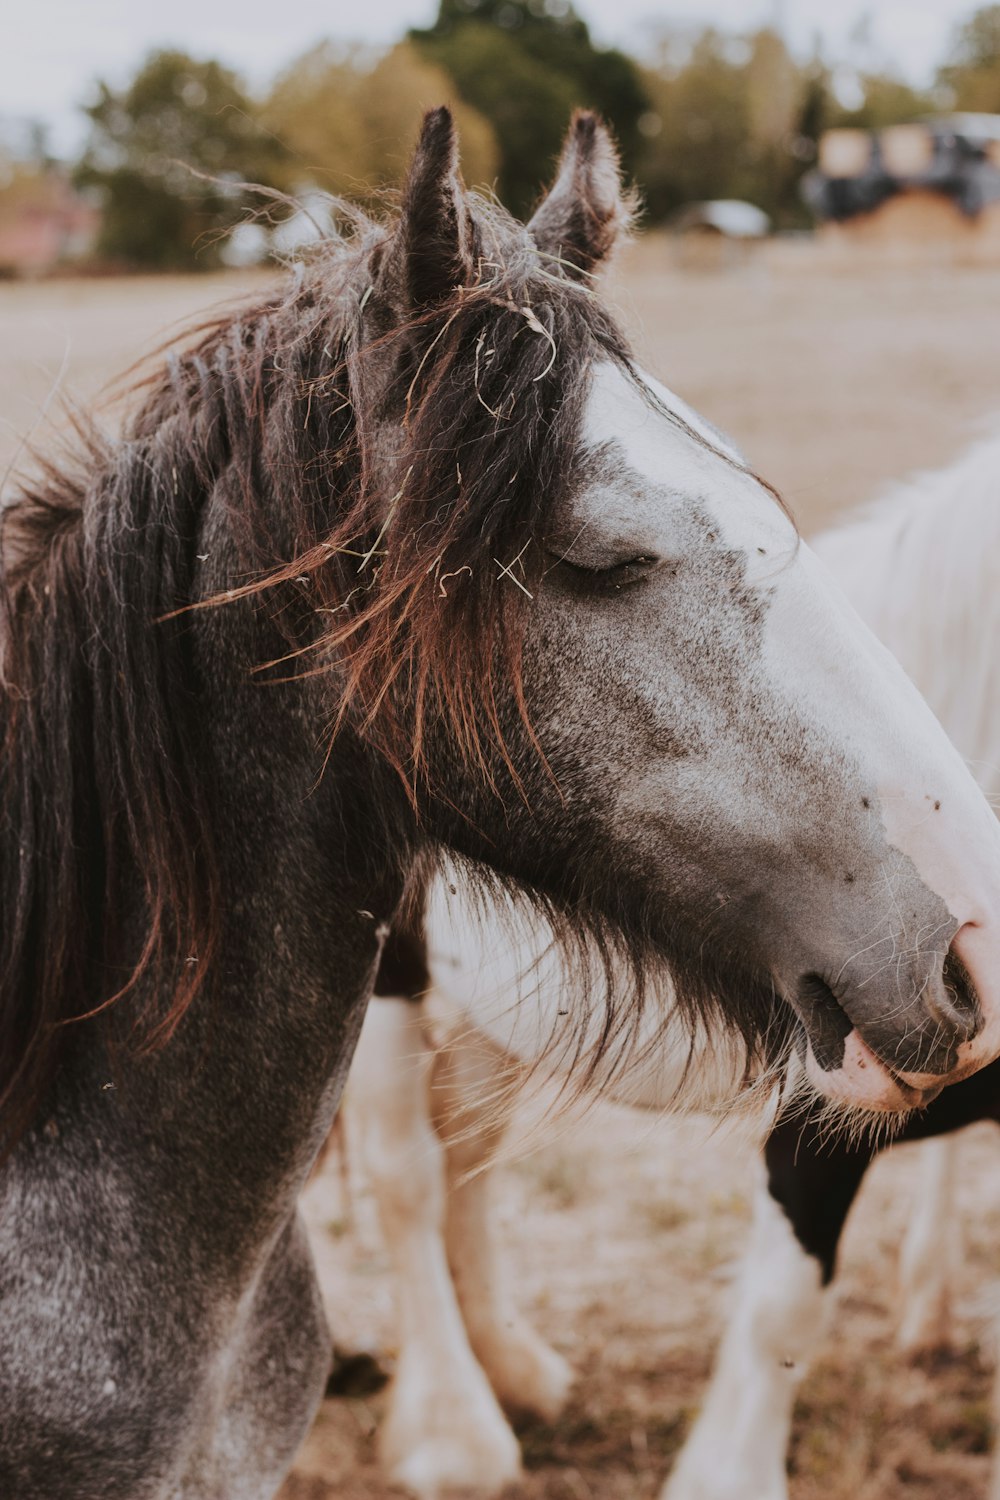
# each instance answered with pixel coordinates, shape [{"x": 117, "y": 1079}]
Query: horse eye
[{"x": 609, "y": 579}]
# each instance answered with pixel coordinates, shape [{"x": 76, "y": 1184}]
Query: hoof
[
  {"x": 437, "y": 1440},
  {"x": 443, "y": 1466},
  {"x": 529, "y": 1377},
  {"x": 698, "y": 1481}
]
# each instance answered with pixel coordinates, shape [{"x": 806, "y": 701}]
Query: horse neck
[
  {"x": 310, "y": 871},
  {"x": 220, "y": 1126}
]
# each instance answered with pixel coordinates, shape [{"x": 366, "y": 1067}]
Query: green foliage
[
  {"x": 977, "y": 41},
  {"x": 525, "y": 65},
  {"x": 739, "y": 117},
  {"x": 887, "y": 101},
  {"x": 168, "y": 154},
  {"x": 972, "y": 73},
  {"x": 717, "y": 116},
  {"x": 731, "y": 118},
  {"x": 698, "y": 143},
  {"x": 349, "y": 124}
]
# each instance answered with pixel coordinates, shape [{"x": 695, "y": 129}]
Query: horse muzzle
[{"x": 896, "y": 1050}]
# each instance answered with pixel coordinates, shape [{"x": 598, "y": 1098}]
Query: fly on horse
[{"x": 407, "y": 557}]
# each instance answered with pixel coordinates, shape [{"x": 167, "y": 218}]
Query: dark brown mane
[{"x": 404, "y": 572}]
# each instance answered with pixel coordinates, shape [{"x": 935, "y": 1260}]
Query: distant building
[
  {"x": 717, "y": 234},
  {"x": 44, "y": 221},
  {"x": 934, "y": 184}
]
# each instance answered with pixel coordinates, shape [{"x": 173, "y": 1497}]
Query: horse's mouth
[
  {"x": 863, "y": 1080},
  {"x": 916, "y": 1097},
  {"x": 853, "y": 1067}
]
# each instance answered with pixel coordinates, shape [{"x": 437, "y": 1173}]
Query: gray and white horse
[
  {"x": 921, "y": 568},
  {"x": 406, "y": 557}
]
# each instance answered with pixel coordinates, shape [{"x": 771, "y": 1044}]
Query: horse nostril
[
  {"x": 963, "y": 998},
  {"x": 827, "y": 1023},
  {"x": 922, "y": 1037}
]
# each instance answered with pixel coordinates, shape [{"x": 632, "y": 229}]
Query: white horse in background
[
  {"x": 923, "y": 568},
  {"x": 435, "y": 1077}
]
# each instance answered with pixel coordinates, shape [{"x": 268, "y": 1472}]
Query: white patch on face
[
  {"x": 814, "y": 653},
  {"x": 816, "y": 648},
  {"x": 701, "y": 469}
]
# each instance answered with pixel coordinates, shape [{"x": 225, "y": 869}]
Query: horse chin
[{"x": 863, "y": 1081}]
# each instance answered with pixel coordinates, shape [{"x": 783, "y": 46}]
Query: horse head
[{"x": 635, "y": 690}]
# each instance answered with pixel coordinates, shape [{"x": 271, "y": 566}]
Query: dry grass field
[{"x": 622, "y": 1232}]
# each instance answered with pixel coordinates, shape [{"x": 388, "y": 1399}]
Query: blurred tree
[
  {"x": 349, "y": 125},
  {"x": 779, "y": 95},
  {"x": 718, "y": 115},
  {"x": 885, "y": 101},
  {"x": 734, "y": 117},
  {"x": 176, "y": 114},
  {"x": 312, "y": 109},
  {"x": 699, "y": 127},
  {"x": 525, "y": 64},
  {"x": 773, "y": 83},
  {"x": 813, "y": 113},
  {"x": 739, "y": 117},
  {"x": 972, "y": 72}
]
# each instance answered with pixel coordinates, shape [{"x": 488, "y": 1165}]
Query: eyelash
[{"x": 613, "y": 579}]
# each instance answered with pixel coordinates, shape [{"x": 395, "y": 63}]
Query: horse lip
[
  {"x": 896, "y": 1095},
  {"x": 914, "y": 1095},
  {"x": 957, "y": 1009},
  {"x": 915, "y": 1098}
]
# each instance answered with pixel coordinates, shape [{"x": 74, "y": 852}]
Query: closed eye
[{"x": 610, "y": 578}]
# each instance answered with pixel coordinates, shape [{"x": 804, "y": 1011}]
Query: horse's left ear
[
  {"x": 586, "y": 211},
  {"x": 432, "y": 249}
]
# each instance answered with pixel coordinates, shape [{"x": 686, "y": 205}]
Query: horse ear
[
  {"x": 585, "y": 212},
  {"x": 432, "y": 252}
]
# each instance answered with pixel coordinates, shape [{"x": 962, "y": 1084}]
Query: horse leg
[
  {"x": 931, "y": 1254},
  {"x": 444, "y": 1428},
  {"x": 994, "y": 1491},
  {"x": 471, "y": 1094},
  {"x": 737, "y": 1448}
]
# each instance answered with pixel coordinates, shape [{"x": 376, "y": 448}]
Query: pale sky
[{"x": 53, "y": 49}]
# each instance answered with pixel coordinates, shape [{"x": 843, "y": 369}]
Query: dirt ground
[{"x": 621, "y": 1233}]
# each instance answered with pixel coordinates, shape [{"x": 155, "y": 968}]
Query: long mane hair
[{"x": 407, "y": 572}]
